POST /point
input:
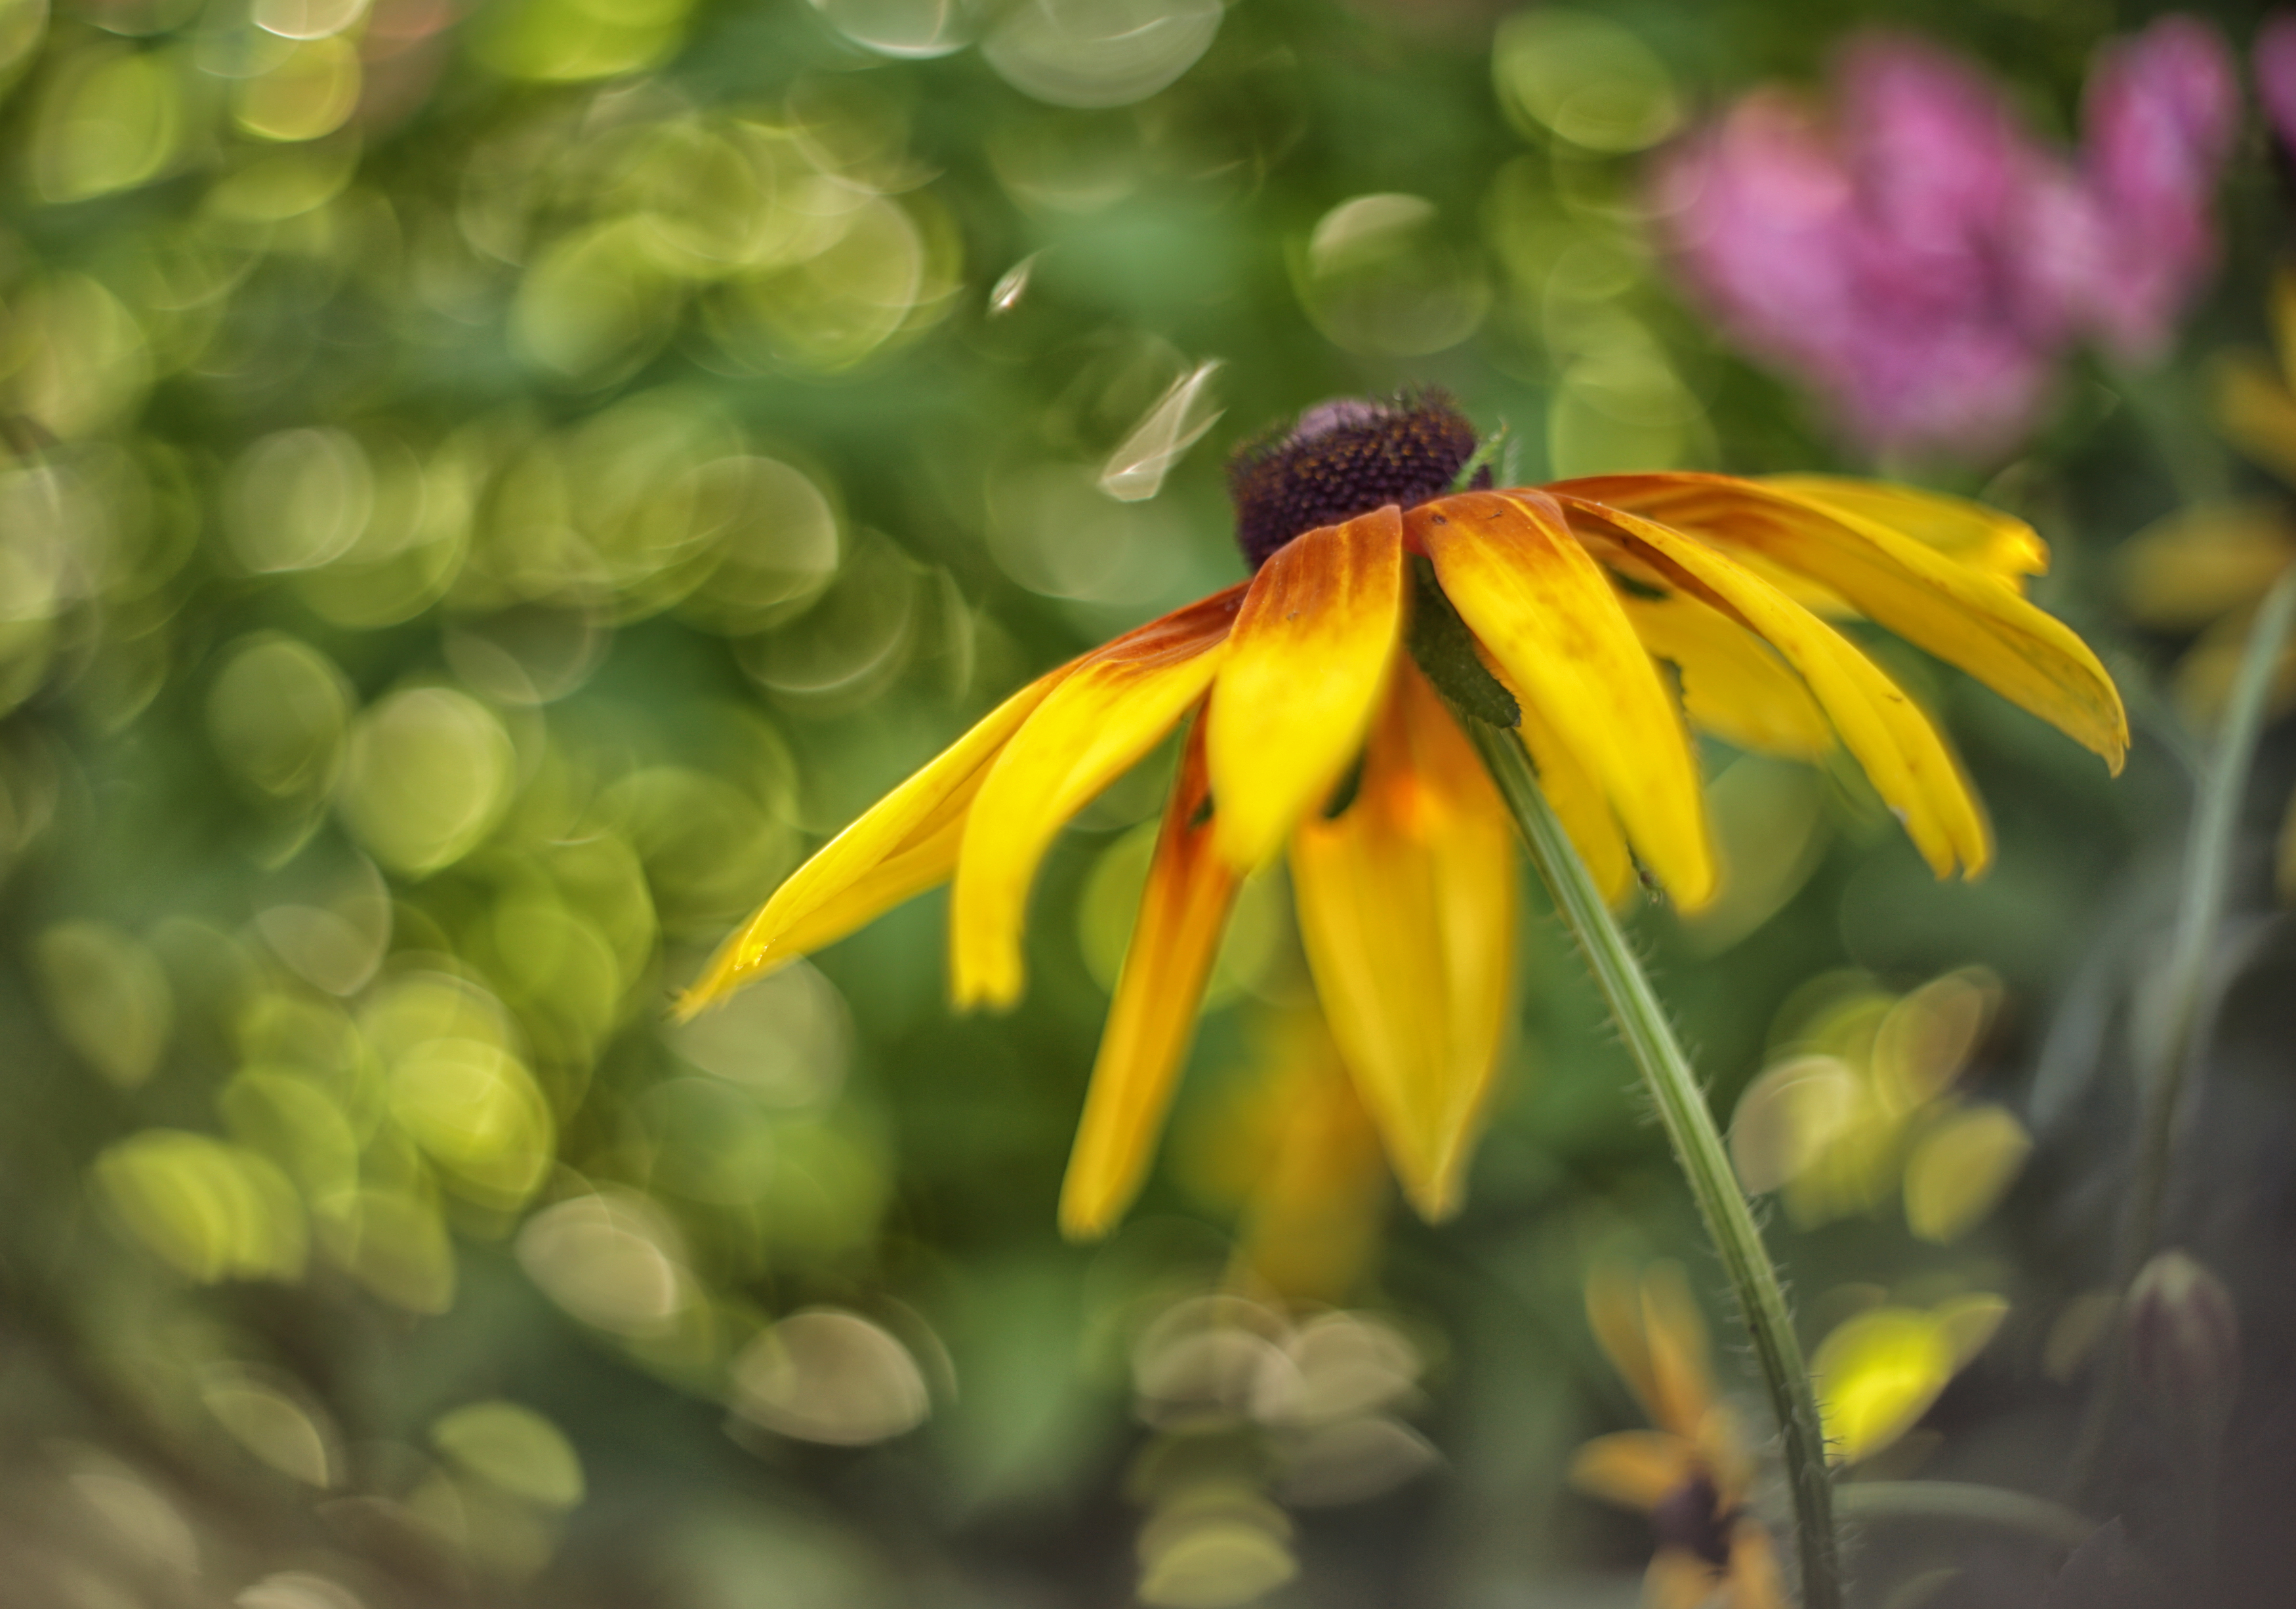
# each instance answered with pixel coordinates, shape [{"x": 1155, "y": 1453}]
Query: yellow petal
[
  {"x": 1115, "y": 706},
  {"x": 1674, "y": 1332},
  {"x": 2183, "y": 570},
  {"x": 1614, "y": 1312},
  {"x": 1306, "y": 664},
  {"x": 1733, "y": 684},
  {"x": 1314, "y": 1218},
  {"x": 925, "y": 862},
  {"x": 1634, "y": 1468},
  {"x": 1183, "y": 911},
  {"x": 1677, "y": 1579},
  {"x": 2254, "y": 409},
  {"x": 1578, "y": 802},
  {"x": 1549, "y": 613},
  {"x": 1962, "y": 615},
  {"x": 903, "y": 845},
  {"x": 1755, "y": 1581},
  {"x": 1408, "y": 911},
  {"x": 1973, "y": 535},
  {"x": 1899, "y": 748}
]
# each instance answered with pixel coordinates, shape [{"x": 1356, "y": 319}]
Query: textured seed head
[{"x": 1346, "y": 457}]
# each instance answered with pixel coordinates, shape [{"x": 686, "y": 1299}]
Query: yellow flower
[
  {"x": 1315, "y": 731},
  {"x": 1691, "y": 1474},
  {"x": 1294, "y": 1151}
]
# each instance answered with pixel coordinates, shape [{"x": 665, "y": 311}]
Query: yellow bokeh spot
[
  {"x": 1584, "y": 77},
  {"x": 1959, "y": 1169},
  {"x": 571, "y": 41},
  {"x": 1381, "y": 275},
  {"x": 427, "y": 774},
  {"x": 830, "y": 1376},
  {"x": 394, "y": 1243},
  {"x": 277, "y": 713},
  {"x": 311, "y": 90},
  {"x": 212, "y": 1210},
  {"x": 476, "y": 1112},
  {"x": 278, "y": 1423},
  {"x": 512, "y": 1448},
  {"x": 110, "y": 120},
  {"x": 109, "y": 996},
  {"x": 1876, "y": 1376},
  {"x": 290, "y": 1120}
]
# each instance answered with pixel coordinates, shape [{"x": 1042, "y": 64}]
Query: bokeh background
[{"x": 487, "y": 485}]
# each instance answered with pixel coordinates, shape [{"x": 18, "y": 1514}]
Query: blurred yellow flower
[
  {"x": 1295, "y": 1152},
  {"x": 1876, "y": 1373},
  {"x": 2204, "y": 570},
  {"x": 1691, "y": 1474},
  {"x": 1862, "y": 1104},
  {"x": 1315, "y": 730}
]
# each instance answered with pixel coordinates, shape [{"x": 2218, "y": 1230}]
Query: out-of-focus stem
[
  {"x": 1959, "y": 1502},
  {"x": 1697, "y": 1146},
  {"x": 2169, "y": 1020},
  {"x": 2167, "y": 1032}
]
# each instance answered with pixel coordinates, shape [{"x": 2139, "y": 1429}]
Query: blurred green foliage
[{"x": 482, "y": 491}]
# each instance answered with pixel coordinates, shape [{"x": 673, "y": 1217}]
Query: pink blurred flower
[
  {"x": 2160, "y": 114},
  {"x": 1922, "y": 261},
  {"x": 2275, "y": 76}
]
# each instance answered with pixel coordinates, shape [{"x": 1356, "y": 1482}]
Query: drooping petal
[
  {"x": 1310, "y": 654},
  {"x": 1974, "y": 534},
  {"x": 1674, "y": 1333},
  {"x": 1578, "y": 802},
  {"x": 926, "y": 862},
  {"x": 1893, "y": 740},
  {"x": 1549, "y": 615},
  {"x": 1961, "y": 614},
  {"x": 1152, "y": 1019},
  {"x": 1117, "y": 703},
  {"x": 900, "y": 848},
  {"x": 1733, "y": 685},
  {"x": 1407, "y": 906},
  {"x": 1633, "y": 1468}
]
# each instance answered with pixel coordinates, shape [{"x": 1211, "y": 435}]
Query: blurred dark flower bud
[{"x": 2183, "y": 1346}]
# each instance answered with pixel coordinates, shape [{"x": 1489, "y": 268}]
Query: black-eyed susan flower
[
  {"x": 1312, "y": 732},
  {"x": 1691, "y": 1473}
]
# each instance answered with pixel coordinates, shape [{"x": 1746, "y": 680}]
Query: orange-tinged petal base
[
  {"x": 1551, "y": 617},
  {"x": 1307, "y": 663},
  {"x": 1407, "y": 908},
  {"x": 1115, "y": 706}
]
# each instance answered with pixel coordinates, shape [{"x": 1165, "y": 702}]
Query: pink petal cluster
[
  {"x": 1922, "y": 261},
  {"x": 2275, "y": 57}
]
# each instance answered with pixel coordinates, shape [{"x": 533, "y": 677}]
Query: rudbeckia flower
[
  {"x": 1692, "y": 1472},
  {"x": 1311, "y": 731}
]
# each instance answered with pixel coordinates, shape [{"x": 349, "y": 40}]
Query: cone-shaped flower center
[
  {"x": 1344, "y": 458},
  {"x": 1690, "y": 1517}
]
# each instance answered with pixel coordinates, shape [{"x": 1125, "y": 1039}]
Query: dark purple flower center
[
  {"x": 1691, "y": 1518},
  {"x": 1344, "y": 458}
]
